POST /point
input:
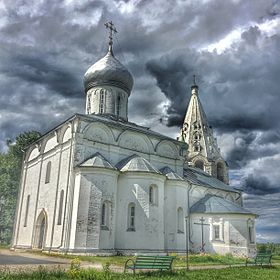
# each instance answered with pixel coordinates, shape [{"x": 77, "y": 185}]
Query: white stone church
[{"x": 99, "y": 184}]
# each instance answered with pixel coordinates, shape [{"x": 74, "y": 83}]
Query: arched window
[
  {"x": 180, "y": 220},
  {"x": 131, "y": 217},
  {"x": 105, "y": 211},
  {"x": 118, "y": 107},
  {"x": 103, "y": 214},
  {"x": 196, "y": 126},
  {"x": 220, "y": 171},
  {"x": 196, "y": 146},
  {"x": 199, "y": 164},
  {"x": 216, "y": 230},
  {"x": 59, "y": 219},
  {"x": 196, "y": 136},
  {"x": 48, "y": 172},
  {"x": 102, "y": 102},
  {"x": 153, "y": 195},
  {"x": 88, "y": 104},
  {"x": 251, "y": 231},
  {"x": 26, "y": 211}
]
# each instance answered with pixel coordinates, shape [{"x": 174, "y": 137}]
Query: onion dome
[{"x": 108, "y": 71}]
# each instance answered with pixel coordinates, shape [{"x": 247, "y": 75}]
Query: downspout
[{"x": 188, "y": 212}]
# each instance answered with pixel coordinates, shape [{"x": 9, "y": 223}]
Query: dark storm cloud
[
  {"x": 259, "y": 185},
  {"x": 46, "y": 47},
  {"x": 36, "y": 68},
  {"x": 241, "y": 95},
  {"x": 250, "y": 145}
]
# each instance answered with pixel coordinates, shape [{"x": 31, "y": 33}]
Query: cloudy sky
[{"x": 232, "y": 46}]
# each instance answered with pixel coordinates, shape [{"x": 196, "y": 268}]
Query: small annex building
[{"x": 98, "y": 183}]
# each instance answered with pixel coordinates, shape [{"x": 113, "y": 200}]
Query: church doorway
[{"x": 40, "y": 230}]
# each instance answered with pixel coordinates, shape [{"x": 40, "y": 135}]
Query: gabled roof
[
  {"x": 136, "y": 163},
  {"x": 170, "y": 174},
  {"x": 211, "y": 204},
  {"x": 97, "y": 160},
  {"x": 199, "y": 177}
]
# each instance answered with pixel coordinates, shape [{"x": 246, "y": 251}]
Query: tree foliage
[{"x": 10, "y": 171}]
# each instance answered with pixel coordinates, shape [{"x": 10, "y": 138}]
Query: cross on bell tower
[{"x": 112, "y": 29}]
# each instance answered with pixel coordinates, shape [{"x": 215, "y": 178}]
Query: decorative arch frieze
[
  {"x": 65, "y": 133},
  {"x": 167, "y": 149},
  {"x": 230, "y": 197},
  {"x": 49, "y": 142},
  {"x": 33, "y": 153},
  {"x": 98, "y": 132},
  {"x": 135, "y": 142}
]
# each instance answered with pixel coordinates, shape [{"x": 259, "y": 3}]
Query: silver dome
[{"x": 108, "y": 71}]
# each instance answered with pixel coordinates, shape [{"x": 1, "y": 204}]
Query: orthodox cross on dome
[
  {"x": 112, "y": 29},
  {"x": 202, "y": 220}
]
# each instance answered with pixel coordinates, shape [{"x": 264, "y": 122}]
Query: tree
[{"x": 10, "y": 171}]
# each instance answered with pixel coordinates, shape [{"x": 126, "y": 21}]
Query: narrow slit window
[
  {"x": 151, "y": 194},
  {"x": 118, "y": 105},
  {"x": 102, "y": 102},
  {"x": 26, "y": 211},
  {"x": 48, "y": 172},
  {"x": 59, "y": 219},
  {"x": 251, "y": 234},
  {"x": 103, "y": 214},
  {"x": 131, "y": 217},
  {"x": 180, "y": 220},
  {"x": 216, "y": 232}
]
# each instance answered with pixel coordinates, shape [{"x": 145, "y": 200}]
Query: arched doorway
[{"x": 40, "y": 230}]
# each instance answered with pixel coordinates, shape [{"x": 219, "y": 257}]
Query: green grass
[
  {"x": 194, "y": 259},
  {"x": 4, "y": 246},
  {"x": 249, "y": 273}
]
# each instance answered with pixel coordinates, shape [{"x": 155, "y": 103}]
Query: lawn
[
  {"x": 248, "y": 273},
  {"x": 180, "y": 261}
]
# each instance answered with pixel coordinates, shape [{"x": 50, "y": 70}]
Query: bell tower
[{"x": 203, "y": 151}]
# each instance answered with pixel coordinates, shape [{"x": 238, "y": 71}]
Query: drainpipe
[{"x": 188, "y": 212}]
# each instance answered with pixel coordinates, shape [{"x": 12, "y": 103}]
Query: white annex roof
[
  {"x": 97, "y": 160},
  {"x": 211, "y": 204}
]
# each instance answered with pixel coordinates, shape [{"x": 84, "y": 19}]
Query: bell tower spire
[{"x": 203, "y": 150}]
